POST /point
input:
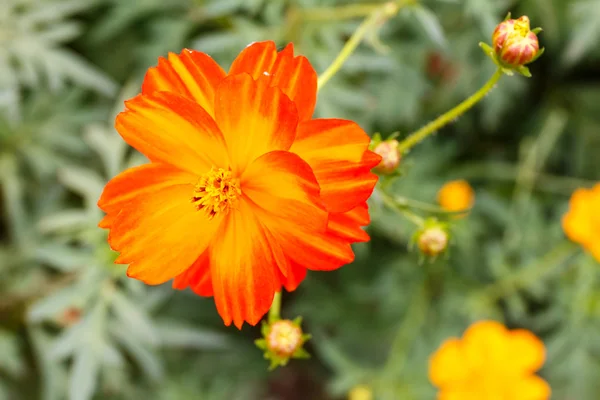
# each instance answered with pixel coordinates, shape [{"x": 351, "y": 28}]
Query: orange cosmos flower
[
  {"x": 582, "y": 222},
  {"x": 244, "y": 191},
  {"x": 489, "y": 363},
  {"x": 456, "y": 196}
]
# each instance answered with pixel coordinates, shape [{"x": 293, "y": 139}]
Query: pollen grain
[{"x": 216, "y": 192}]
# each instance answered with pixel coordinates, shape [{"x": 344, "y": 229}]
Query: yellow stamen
[{"x": 216, "y": 192}]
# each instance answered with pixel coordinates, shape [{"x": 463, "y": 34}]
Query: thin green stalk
[
  {"x": 275, "y": 310},
  {"x": 402, "y": 209},
  {"x": 449, "y": 116},
  {"x": 426, "y": 207},
  {"x": 408, "y": 330},
  {"x": 379, "y": 14}
]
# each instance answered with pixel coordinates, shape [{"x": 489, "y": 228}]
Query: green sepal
[
  {"x": 301, "y": 354},
  {"x": 261, "y": 344},
  {"x": 375, "y": 140},
  {"x": 523, "y": 70},
  {"x": 394, "y": 135},
  {"x": 538, "y": 54},
  {"x": 264, "y": 329},
  {"x": 488, "y": 50}
]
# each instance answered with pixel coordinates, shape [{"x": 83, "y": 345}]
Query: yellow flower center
[{"x": 216, "y": 192}]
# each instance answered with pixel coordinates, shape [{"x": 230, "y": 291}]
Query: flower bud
[
  {"x": 514, "y": 43},
  {"x": 432, "y": 241},
  {"x": 390, "y": 156},
  {"x": 455, "y": 196},
  {"x": 282, "y": 339}
]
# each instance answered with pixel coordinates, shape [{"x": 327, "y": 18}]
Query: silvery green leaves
[{"x": 32, "y": 53}]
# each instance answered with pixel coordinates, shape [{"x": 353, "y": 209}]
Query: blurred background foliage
[{"x": 71, "y": 325}]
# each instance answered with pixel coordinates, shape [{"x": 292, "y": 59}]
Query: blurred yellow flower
[
  {"x": 360, "y": 392},
  {"x": 582, "y": 222},
  {"x": 456, "y": 196},
  {"x": 489, "y": 362}
]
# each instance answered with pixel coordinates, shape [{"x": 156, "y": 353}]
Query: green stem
[
  {"x": 408, "y": 330},
  {"x": 426, "y": 207},
  {"x": 275, "y": 310},
  {"x": 401, "y": 209},
  {"x": 382, "y": 13},
  {"x": 449, "y": 116},
  {"x": 531, "y": 273}
]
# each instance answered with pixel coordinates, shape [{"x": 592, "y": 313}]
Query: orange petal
[
  {"x": 190, "y": 74},
  {"x": 485, "y": 347},
  {"x": 577, "y": 222},
  {"x": 254, "y": 119},
  {"x": 244, "y": 267},
  {"x": 284, "y": 186},
  {"x": 461, "y": 393},
  {"x": 293, "y": 75},
  {"x": 161, "y": 234},
  {"x": 348, "y": 225},
  {"x": 256, "y": 59},
  {"x": 337, "y": 152},
  {"x": 174, "y": 130},
  {"x": 529, "y": 388},
  {"x": 317, "y": 251},
  {"x": 447, "y": 364},
  {"x": 527, "y": 351},
  {"x": 197, "y": 277},
  {"x": 285, "y": 193},
  {"x": 138, "y": 182},
  {"x": 295, "y": 275}
]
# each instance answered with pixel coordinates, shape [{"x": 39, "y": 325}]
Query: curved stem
[
  {"x": 275, "y": 310},
  {"x": 408, "y": 329},
  {"x": 449, "y": 116},
  {"x": 402, "y": 209},
  {"x": 384, "y": 12},
  {"x": 426, "y": 207}
]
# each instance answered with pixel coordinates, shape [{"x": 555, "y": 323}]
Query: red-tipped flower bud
[
  {"x": 514, "y": 43},
  {"x": 390, "y": 156}
]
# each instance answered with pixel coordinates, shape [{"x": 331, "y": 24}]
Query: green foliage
[{"x": 73, "y": 326}]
